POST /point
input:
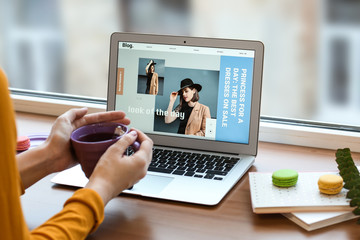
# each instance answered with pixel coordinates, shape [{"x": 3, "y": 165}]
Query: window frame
[
  {"x": 53, "y": 104},
  {"x": 274, "y": 130},
  {"x": 309, "y": 134}
]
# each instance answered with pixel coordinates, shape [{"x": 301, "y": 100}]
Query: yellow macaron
[{"x": 330, "y": 184}]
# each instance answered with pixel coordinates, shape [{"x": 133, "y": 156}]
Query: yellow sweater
[{"x": 82, "y": 213}]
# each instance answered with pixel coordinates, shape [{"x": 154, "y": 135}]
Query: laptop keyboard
[{"x": 190, "y": 164}]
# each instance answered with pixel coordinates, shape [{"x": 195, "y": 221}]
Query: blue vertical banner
[{"x": 234, "y": 99}]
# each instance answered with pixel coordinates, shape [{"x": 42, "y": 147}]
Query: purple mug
[{"x": 91, "y": 141}]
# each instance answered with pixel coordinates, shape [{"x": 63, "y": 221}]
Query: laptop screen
[{"x": 186, "y": 91}]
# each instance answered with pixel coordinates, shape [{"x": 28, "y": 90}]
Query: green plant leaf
[
  {"x": 353, "y": 193},
  {"x": 338, "y": 154},
  {"x": 340, "y": 160},
  {"x": 343, "y": 165},
  {"x": 350, "y": 174},
  {"x": 353, "y": 184},
  {"x": 356, "y": 211},
  {"x": 355, "y": 202},
  {"x": 347, "y": 186}
]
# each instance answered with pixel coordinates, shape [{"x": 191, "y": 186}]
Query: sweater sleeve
[
  {"x": 81, "y": 215},
  {"x": 12, "y": 224}
]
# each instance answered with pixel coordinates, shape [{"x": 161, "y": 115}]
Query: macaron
[
  {"x": 285, "y": 178},
  {"x": 23, "y": 143},
  {"x": 330, "y": 184}
]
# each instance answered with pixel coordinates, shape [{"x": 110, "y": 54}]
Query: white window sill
[
  {"x": 48, "y": 106},
  {"x": 309, "y": 136},
  {"x": 269, "y": 131}
]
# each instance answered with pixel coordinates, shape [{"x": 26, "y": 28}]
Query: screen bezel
[{"x": 190, "y": 143}]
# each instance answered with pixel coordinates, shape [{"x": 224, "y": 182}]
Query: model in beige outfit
[
  {"x": 193, "y": 114},
  {"x": 152, "y": 84}
]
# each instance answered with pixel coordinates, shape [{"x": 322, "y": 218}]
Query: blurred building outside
[{"x": 312, "y": 49}]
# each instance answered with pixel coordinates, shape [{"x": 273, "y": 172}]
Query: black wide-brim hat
[
  {"x": 187, "y": 82},
  {"x": 151, "y": 62}
]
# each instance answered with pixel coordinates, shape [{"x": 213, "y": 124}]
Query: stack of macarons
[
  {"x": 285, "y": 178},
  {"x": 23, "y": 143},
  {"x": 330, "y": 184}
]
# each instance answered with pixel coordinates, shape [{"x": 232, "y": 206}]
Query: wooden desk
[{"x": 130, "y": 217}]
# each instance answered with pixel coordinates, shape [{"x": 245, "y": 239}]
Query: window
[
  {"x": 312, "y": 51},
  {"x": 58, "y": 46}
]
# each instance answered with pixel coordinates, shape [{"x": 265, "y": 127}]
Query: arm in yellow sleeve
[
  {"x": 84, "y": 211},
  {"x": 81, "y": 215}
]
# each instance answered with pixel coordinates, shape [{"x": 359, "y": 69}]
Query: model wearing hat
[
  {"x": 195, "y": 113},
  {"x": 152, "y": 83}
]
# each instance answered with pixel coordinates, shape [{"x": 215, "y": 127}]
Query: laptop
[{"x": 203, "y": 145}]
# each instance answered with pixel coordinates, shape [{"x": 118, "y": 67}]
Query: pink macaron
[{"x": 23, "y": 143}]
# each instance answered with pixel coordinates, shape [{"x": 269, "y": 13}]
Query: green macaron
[{"x": 285, "y": 177}]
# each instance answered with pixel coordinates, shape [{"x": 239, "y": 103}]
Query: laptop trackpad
[{"x": 151, "y": 185}]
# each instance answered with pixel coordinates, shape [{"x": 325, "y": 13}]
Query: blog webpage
[{"x": 156, "y": 85}]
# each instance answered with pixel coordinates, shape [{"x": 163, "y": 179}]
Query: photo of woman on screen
[
  {"x": 152, "y": 83},
  {"x": 191, "y": 113}
]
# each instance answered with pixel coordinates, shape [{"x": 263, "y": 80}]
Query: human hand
[
  {"x": 116, "y": 172},
  {"x": 173, "y": 96},
  {"x": 58, "y": 143}
]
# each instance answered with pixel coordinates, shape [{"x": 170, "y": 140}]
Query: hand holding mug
[
  {"x": 115, "y": 171},
  {"x": 91, "y": 141}
]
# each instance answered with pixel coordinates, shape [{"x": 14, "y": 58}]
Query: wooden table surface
[{"x": 131, "y": 217}]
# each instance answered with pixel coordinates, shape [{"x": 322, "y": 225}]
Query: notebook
[
  {"x": 303, "y": 197},
  {"x": 314, "y": 220},
  {"x": 199, "y": 101}
]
